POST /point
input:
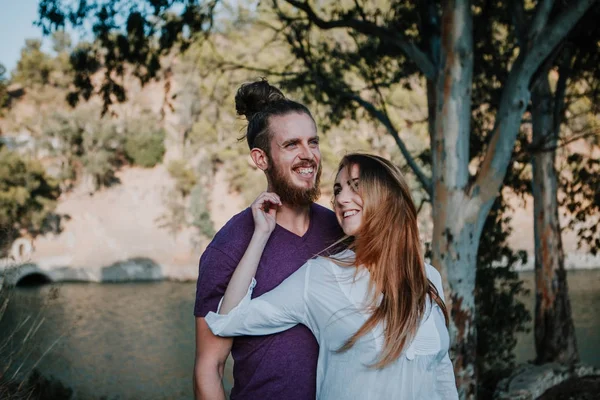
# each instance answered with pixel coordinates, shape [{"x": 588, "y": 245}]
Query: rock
[
  {"x": 135, "y": 269},
  {"x": 530, "y": 381},
  {"x": 586, "y": 388}
]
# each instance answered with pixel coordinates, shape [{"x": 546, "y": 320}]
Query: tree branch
[
  {"x": 540, "y": 20},
  {"x": 408, "y": 47},
  {"x": 551, "y": 35},
  {"x": 384, "y": 119},
  {"x": 515, "y": 98}
]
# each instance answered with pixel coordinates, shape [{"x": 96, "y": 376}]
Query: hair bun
[{"x": 254, "y": 97}]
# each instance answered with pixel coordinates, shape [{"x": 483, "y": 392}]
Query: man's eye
[
  {"x": 314, "y": 142},
  {"x": 290, "y": 145}
]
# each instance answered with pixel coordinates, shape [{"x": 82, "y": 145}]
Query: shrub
[
  {"x": 27, "y": 196},
  {"x": 200, "y": 213},
  {"x": 144, "y": 145},
  {"x": 500, "y": 313},
  {"x": 85, "y": 144},
  {"x": 185, "y": 179}
]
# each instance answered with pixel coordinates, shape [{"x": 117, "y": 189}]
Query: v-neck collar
[{"x": 308, "y": 231}]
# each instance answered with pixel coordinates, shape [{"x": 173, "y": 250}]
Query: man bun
[{"x": 253, "y": 97}]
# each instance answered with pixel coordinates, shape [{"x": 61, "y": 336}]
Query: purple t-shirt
[{"x": 280, "y": 366}]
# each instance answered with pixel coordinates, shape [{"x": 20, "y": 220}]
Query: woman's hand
[{"x": 264, "y": 211}]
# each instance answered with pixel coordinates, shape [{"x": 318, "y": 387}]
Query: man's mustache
[{"x": 306, "y": 164}]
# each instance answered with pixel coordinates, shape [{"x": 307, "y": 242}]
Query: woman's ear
[{"x": 260, "y": 158}]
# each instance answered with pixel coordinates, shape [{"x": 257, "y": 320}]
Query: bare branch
[
  {"x": 525, "y": 154},
  {"x": 230, "y": 66},
  {"x": 541, "y": 19},
  {"x": 384, "y": 119},
  {"x": 391, "y": 37}
]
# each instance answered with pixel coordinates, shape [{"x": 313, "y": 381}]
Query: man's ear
[{"x": 260, "y": 158}]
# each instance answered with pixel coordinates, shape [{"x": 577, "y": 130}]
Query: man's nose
[{"x": 306, "y": 153}]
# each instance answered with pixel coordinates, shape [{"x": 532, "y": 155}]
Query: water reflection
[
  {"x": 131, "y": 340},
  {"x": 136, "y": 340},
  {"x": 584, "y": 291}
]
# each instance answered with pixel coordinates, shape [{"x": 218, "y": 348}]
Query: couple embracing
[{"x": 313, "y": 303}]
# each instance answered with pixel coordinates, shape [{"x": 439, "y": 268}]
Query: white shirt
[{"x": 330, "y": 301}]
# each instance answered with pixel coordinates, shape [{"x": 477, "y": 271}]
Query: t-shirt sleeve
[{"x": 214, "y": 272}]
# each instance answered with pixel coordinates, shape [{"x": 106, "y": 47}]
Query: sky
[{"x": 16, "y": 25}]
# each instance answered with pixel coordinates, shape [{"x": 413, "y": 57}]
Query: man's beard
[{"x": 288, "y": 192}]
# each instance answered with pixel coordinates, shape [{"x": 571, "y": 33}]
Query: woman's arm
[
  {"x": 446, "y": 383},
  {"x": 278, "y": 310},
  {"x": 263, "y": 212}
]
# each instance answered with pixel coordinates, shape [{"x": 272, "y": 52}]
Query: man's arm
[{"x": 211, "y": 353}]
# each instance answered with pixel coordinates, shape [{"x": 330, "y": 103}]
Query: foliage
[
  {"x": 88, "y": 144},
  {"x": 34, "y": 66},
  {"x": 579, "y": 119},
  {"x": 199, "y": 211},
  {"x": 582, "y": 199},
  {"x": 36, "y": 386},
  {"x": 27, "y": 197},
  {"x": 185, "y": 179},
  {"x": 16, "y": 346},
  {"x": 151, "y": 29},
  {"x": 175, "y": 218},
  {"x": 3, "y": 89},
  {"x": 85, "y": 145},
  {"x": 144, "y": 141},
  {"x": 500, "y": 313}
]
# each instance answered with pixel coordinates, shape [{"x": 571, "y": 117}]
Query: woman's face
[{"x": 348, "y": 205}]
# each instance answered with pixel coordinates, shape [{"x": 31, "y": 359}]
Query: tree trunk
[
  {"x": 454, "y": 249},
  {"x": 554, "y": 330},
  {"x": 455, "y": 240}
]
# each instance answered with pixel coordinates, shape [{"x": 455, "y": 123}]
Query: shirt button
[{"x": 410, "y": 354}]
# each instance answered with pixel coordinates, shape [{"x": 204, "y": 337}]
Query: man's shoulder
[
  {"x": 322, "y": 211},
  {"x": 238, "y": 229},
  {"x": 324, "y": 215},
  {"x": 325, "y": 221}
]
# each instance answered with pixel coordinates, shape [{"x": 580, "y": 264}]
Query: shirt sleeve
[
  {"x": 275, "y": 311},
  {"x": 446, "y": 383},
  {"x": 214, "y": 272}
]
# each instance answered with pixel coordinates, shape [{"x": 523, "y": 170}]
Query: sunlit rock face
[
  {"x": 116, "y": 234},
  {"x": 119, "y": 233}
]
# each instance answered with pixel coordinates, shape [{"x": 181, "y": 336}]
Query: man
[{"x": 283, "y": 143}]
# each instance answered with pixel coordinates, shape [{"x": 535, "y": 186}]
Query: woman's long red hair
[{"x": 388, "y": 245}]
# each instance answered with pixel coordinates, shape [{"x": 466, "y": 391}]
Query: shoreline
[{"x": 143, "y": 269}]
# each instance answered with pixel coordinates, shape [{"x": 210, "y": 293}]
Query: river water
[{"x": 136, "y": 340}]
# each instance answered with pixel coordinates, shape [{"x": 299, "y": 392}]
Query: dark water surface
[
  {"x": 584, "y": 291},
  {"x": 136, "y": 340}
]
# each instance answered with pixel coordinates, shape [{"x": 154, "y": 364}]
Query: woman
[{"x": 376, "y": 308}]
